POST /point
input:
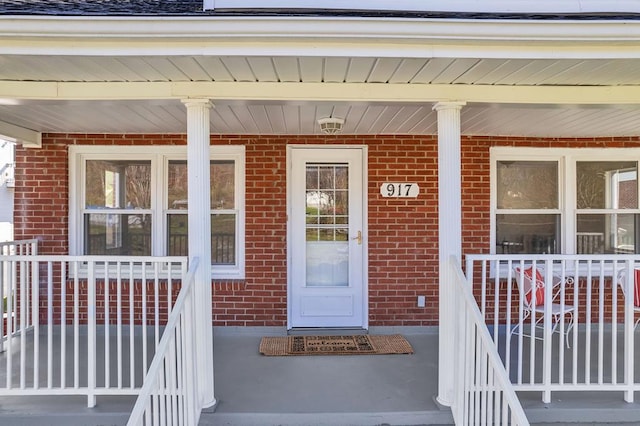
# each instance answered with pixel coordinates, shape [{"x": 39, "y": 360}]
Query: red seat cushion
[
  {"x": 538, "y": 283},
  {"x": 636, "y": 288}
]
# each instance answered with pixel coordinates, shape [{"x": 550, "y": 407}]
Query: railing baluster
[
  {"x": 35, "y": 322},
  {"x": 76, "y": 328},
  {"x": 601, "y": 308},
  {"x": 508, "y": 315},
  {"x": 119, "y": 321},
  {"x": 91, "y": 340},
  {"x": 107, "y": 325},
  {"x": 63, "y": 321},
  {"x": 11, "y": 313},
  {"x": 49, "y": 325},
  {"x": 547, "y": 345},
  {"x": 629, "y": 344},
  {"x": 614, "y": 327},
  {"x": 23, "y": 324},
  {"x": 521, "y": 325},
  {"x": 132, "y": 346},
  {"x": 496, "y": 309},
  {"x": 145, "y": 322},
  {"x": 576, "y": 325},
  {"x": 587, "y": 343}
]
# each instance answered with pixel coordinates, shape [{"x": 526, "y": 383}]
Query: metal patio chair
[
  {"x": 531, "y": 282},
  {"x": 622, "y": 281}
]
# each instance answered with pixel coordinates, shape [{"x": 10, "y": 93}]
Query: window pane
[
  {"x": 607, "y": 184},
  {"x": 118, "y": 234},
  {"x": 177, "y": 185},
  {"x": 223, "y": 237},
  {"x": 606, "y": 233},
  {"x": 223, "y": 185},
  {"x": 177, "y": 235},
  {"x": 528, "y": 233},
  {"x": 527, "y": 185},
  {"x": 222, "y": 175},
  {"x": 118, "y": 184}
]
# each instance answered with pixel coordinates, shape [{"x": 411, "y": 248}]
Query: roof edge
[{"x": 288, "y": 36}]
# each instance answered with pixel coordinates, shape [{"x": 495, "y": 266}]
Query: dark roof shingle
[
  {"x": 101, "y": 7},
  {"x": 195, "y": 8}
]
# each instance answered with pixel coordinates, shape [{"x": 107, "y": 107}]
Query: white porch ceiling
[{"x": 233, "y": 116}]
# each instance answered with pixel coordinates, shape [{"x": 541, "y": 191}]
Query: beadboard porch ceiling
[{"x": 562, "y": 95}]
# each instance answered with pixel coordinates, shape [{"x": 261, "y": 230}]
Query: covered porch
[
  {"x": 330, "y": 390},
  {"x": 434, "y": 95}
]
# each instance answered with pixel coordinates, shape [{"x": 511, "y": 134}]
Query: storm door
[{"x": 327, "y": 238}]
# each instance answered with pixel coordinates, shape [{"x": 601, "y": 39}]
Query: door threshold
[{"x": 327, "y": 331}]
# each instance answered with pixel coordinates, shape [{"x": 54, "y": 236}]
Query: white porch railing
[
  {"x": 7, "y": 302},
  {"x": 25, "y": 247},
  {"x": 592, "y": 349},
  {"x": 483, "y": 392},
  {"x": 170, "y": 392},
  {"x": 83, "y": 325}
]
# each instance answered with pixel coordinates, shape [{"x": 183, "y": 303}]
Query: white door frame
[{"x": 365, "y": 227}]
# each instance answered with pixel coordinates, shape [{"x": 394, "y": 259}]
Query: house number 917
[{"x": 399, "y": 190}]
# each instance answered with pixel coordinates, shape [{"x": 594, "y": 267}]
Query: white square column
[
  {"x": 449, "y": 239},
  {"x": 199, "y": 219}
]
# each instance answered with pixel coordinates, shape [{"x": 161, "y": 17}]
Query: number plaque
[{"x": 399, "y": 190}]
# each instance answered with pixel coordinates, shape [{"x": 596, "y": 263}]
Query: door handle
[{"x": 358, "y": 238}]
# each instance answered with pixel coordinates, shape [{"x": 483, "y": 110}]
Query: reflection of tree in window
[
  {"x": 607, "y": 184},
  {"x": 117, "y": 185},
  {"x": 527, "y": 185},
  {"x": 611, "y": 186},
  {"x": 222, "y": 185},
  {"x": 327, "y": 202}
]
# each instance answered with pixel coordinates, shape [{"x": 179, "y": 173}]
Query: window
[
  {"x": 138, "y": 206},
  {"x": 582, "y": 201}
]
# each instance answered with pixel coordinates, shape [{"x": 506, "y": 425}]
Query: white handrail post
[
  {"x": 190, "y": 358},
  {"x": 91, "y": 335},
  {"x": 629, "y": 322},
  {"x": 199, "y": 221},
  {"x": 459, "y": 339}
]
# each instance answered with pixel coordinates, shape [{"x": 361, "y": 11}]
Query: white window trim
[
  {"x": 159, "y": 162},
  {"x": 567, "y": 159}
]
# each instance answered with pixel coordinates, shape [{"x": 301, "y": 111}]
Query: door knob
[{"x": 358, "y": 238}]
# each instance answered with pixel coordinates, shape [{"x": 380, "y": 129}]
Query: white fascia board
[
  {"x": 308, "y": 36},
  {"x": 27, "y": 137},
  {"x": 460, "y": 6},
  {"x": 323, "y": 92}
]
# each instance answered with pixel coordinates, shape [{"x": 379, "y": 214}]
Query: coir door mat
[{"x": 335, "y": 345}]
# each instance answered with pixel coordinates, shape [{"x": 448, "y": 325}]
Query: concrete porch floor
[{"x": 253, "y": 390}]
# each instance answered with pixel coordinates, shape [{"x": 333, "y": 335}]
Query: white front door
[{"x": 327, "y": 272}]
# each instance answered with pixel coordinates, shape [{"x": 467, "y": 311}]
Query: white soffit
[{"x": 21, "y": 135}]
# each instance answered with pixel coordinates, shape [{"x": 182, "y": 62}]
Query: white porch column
[
  {"x": 449, "y": 237},
  {"x": 199, "y": 197}
]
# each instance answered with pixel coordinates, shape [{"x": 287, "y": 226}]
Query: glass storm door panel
[{"x": 327, "y": 244}]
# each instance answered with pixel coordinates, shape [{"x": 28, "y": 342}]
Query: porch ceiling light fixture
[{"x": 331, "y": 125}]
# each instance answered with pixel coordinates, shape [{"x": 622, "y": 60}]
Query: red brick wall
[{"x": 403, "y": 238}]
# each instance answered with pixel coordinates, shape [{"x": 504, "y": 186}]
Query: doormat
[{"x": 335, "y": 345}]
